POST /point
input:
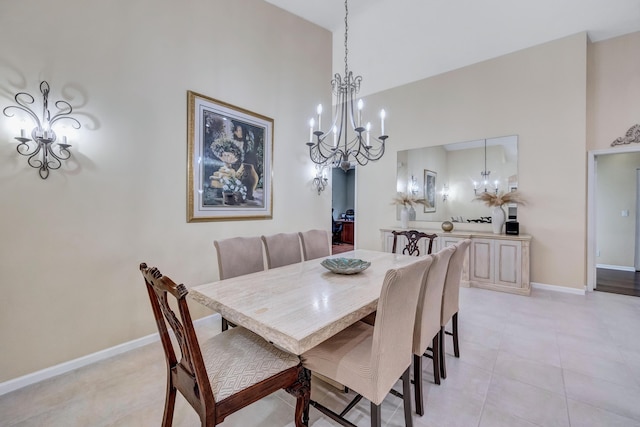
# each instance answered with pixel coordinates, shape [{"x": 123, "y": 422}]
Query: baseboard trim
[
  {"x": 34, "y": 377},
  {"x": 557, "y": 288},
  {"x": 616, "y": 267}
]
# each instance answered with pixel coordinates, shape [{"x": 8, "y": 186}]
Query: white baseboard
[
  {"x": 615, "y": 267},
  {"x": 34, "y": 377},
  {"x": 557, "y": 288}
]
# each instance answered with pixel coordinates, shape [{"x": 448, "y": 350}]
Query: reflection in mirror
[{"x": 447, "y": 175}]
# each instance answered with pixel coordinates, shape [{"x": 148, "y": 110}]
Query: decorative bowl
[
  {"x": 345, "y": 265},
  {"x": 447, "y": 226}
]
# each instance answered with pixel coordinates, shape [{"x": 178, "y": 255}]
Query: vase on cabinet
[
  {"x": 497, "y": 219},
  {"x": 404, "y": 217}
]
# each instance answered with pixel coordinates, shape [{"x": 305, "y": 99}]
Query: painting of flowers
[{"x": 230, "y": 152}]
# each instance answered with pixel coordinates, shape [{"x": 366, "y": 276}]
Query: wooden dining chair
[
  {"x": 426, "y": 331},
  {"x": 238, "y": 256},
  {"x": 413, "y": 237},
  {"x": 315, "y": 244},
  {"x": 225, "y": 373},
  {"x": 450, "y": 298},
  {"x": 282, "y": 249},
  {"x": 370, "y": 359}
]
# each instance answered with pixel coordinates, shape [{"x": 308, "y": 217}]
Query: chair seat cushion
[
  {"x": 346, "y": 358},
  {"x": 237, "y": 359}
]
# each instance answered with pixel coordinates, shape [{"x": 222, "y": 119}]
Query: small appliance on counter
[{"x": 512, "y": 226}]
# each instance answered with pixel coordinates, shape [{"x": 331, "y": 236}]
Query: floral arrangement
[
  {"x": 494, "y": 200},
  {"x": 234, "y": 185},
  {"x": 409, "y": 200}
]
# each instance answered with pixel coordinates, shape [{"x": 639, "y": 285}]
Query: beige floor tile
[
  {"x": 547, "y": 377},
  {"x": 494, "y": 417},
  {"x": 583, "y": 415},
  {"x": 528, "y": 402},
  {"x": 606, "y": 395}
]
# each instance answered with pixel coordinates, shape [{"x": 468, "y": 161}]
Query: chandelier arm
[
  {"x": 22, "y": 107},
  {"x": 36, "y": 163},
  {"x": 51, "y": 164},
  {"x": 24, "y": 149}
]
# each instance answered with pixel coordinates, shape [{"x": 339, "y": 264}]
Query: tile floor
[{"x": 551, "y": 359}]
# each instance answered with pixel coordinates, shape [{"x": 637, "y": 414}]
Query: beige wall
[
  {"x": 71, "y": 245},
  {"x": 613, "y": 89},
  {"x": 538, "y": 94}
]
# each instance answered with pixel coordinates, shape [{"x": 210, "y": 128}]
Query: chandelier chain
[{"x": 346, "y": 32}]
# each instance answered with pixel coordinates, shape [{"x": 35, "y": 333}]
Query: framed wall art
[
  {"x": 230, "y": 152},
  {"x": 430, "y": 190}
]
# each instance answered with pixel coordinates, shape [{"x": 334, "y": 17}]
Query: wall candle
[
  {"x": 335, "y": 136},
  {"x": 23, "y": 133},
  {"x": 311, "y": 123},
  {"x": 360, "y": 103},
  {"x": 368, "y": 132},
  {"x": 64, "y": 139},
  {"x": 382, "y": 116},
  {"x": 319, "y": 111}
]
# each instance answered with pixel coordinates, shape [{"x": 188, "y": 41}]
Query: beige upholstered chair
[
  {"x": 450, "y": 299},
  {"x": 370, "y": 359},
  {"x": 315, "y": 244},
  {"x": 224, "y": 373},
  {"x": 427, "y": 322},
  {"x": 282, "y": 249},
  {"x": 238, "y": 256}
]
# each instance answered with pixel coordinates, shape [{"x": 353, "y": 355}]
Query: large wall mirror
[{"x": 446, "y": 176}]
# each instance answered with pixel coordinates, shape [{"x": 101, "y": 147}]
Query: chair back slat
[
  {"x": 427, "y": 320},
  {"x": 315, "y": 244},
  {"x": 238, "y": 256},
  {"x": 282, "y": 249},
  {"x": 392, "y": 334},
  {"x": 451, "y": 293},
  {"x": 413, "y": 237}
]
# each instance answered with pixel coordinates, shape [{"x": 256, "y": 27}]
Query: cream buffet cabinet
[{"x": 499, "y": 262}]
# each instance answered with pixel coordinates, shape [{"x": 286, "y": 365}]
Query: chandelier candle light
[
  {"x": 338, "y": 150},
  {"x": 485, "y": 175},
  {"x": 42, "y": 134}
]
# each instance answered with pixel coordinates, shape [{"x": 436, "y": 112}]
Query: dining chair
[
  {"x": 426, "y": 330},
  {"x": 238, "y": 256},
  {"x": 413, "y": 237},
  {"x": 224, "y": 373},
  {"x": 370, "y": 359},
  {"x": 450, "y": 298},
  {"x": 315, "y": 244},
  {"x": 282, "y": 249}
]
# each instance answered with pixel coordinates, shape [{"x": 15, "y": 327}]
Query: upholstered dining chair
[
  {"x": 224, "y": 373},
  {"x": 315, "y": 244},
  {"x": 282, "y": 249},
  {"x": 450, "y": 298},
  {"x": 370, "y": 359},
  {"x": 413, "y": 237},
  {"x": 427, "y": 322},
  {"x": 238, "y": 256}
]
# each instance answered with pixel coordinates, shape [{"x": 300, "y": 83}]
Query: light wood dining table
[{"x": 298, "y": 306}]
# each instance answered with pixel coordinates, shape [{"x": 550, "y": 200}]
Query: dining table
[{"x": 300, "y": 305}]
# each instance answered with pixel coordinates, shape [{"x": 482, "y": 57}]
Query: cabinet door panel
[
  {"x": 509, "y": 261},
  {"x": 481, "y": 261}
]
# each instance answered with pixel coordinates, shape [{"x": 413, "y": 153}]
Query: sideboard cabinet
[{"x": 499, "y": 262}]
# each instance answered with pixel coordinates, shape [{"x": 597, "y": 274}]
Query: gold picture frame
[{"x": 230, "y": 155}]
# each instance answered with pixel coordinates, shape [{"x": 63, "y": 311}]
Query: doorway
[
  {"x": 343, "y": 209},
  {"x": 613, "y": 220}
]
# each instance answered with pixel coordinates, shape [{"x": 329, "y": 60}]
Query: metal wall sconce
[
  {"x": 41, "y": 153},
  {"x": 320, "y": 181}
]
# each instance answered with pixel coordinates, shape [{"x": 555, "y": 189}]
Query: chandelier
[
  {"x": 41, "y": 153},
  {"x": 485, "y": 176},
  {"x": 336, "y": 147}
]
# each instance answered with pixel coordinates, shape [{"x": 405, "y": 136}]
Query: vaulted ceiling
[{"x": 393, "y": 42}]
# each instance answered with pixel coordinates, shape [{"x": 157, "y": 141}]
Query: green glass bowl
[{"x": 345, "y": 265}]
